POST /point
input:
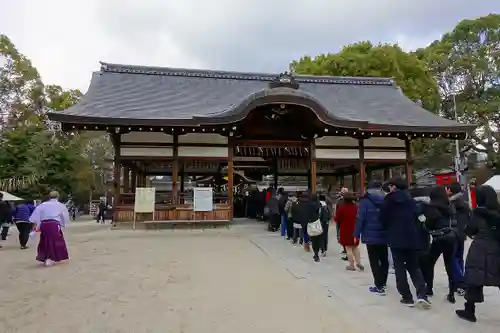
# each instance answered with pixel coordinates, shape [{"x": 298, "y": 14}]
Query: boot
[{"x": 468, "y": 313}]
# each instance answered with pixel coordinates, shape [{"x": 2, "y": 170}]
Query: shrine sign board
[
  {"x": 203, "y": 199},
  {"x": 145, "y": 200}
]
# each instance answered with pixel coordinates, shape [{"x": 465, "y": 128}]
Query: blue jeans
[
  {"x": 458, "y": 264},
  {"x": 283, "y": 226},
  {"x": 305, "y": 236}
]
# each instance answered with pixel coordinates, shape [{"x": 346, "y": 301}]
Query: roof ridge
[{"x": 233, "y": 75}]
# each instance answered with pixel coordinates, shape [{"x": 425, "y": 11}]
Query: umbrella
[{"x": 9, "y": 197}]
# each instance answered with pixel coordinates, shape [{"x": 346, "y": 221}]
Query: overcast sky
[{"x": 66, "y": 39}]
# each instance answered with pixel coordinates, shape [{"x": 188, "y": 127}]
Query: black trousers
[
  {"x": 406, "y": 260},
  {"x": 24, "y": 229},
  {"x": 379, "y": 263},
  {"x": 289, "y": 227},
  {"x": 4, "y": 232},
  {"x": 297, "y": 235},
  {"x": 446, "y": 247},
  {"x": 324, "y": 237},
  {"x": 316, "y": 242},
  {"x": 274, "y": 222},
  {"x": 423, "y": 263},
  {"x": 101, "y": 216}
]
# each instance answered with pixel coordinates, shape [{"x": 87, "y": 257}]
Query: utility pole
[
  {"x": 457, "y": 148},
  {"x": 461, "y": 179}
]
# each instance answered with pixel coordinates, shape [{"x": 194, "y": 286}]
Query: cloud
[{"x": 66, "y": 39}]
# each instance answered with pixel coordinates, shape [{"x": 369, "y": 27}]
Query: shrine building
[{"x": 185, "y": 122}]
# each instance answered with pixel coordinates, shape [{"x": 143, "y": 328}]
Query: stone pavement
[{"x": 369, "y": 312}]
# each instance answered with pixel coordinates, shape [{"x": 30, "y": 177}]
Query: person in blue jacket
[
  {"x": 372, "y": 232},
  {"x": 21, "y": 215}
]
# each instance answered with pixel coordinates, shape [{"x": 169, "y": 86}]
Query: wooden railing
[{"x": 125, "y": 213}]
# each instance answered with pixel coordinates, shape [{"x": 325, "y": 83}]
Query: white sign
[
  {"x": 203, "y": 199},
  {"x": 145, "y": 199}
]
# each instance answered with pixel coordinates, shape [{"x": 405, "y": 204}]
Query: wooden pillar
[
  {"x": 115, "y": 139},
  {"x": 387, "y": 174},
  {"x": 362, "y": 166},
  {"x": 182, "y": 180},
  {"x": 313, "y": 165},
  {"x": 175, "y": 169},
  {"x": 133, "y": 179},
  {"x": 275, "y": 172},
  {"x": 126, "y": 179},
  {"x": 230, "y": 174},
  {"x": 408, "y": 162},
  {"x": 369, "y": 173}
]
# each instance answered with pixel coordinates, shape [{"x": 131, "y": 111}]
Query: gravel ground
[{"x": 185, "y": 281}]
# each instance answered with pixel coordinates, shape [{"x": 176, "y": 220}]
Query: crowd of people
[
  {"x": 406, "y": 228},
  {"x": 48, "y": 219}
]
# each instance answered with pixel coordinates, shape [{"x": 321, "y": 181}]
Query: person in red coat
[{"x": 345, "y": 217}]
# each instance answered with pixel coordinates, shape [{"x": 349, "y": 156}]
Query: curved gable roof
[{"x": 137, "y": 95}]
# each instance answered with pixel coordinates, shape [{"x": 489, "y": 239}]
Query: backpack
[{"x": 325, "y": 214}]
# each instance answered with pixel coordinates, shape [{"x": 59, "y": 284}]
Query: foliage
[
  {"x": 366, "y": 59},
  {"x": 466, "y": 64},
  {"x": 410, "y": 73},
  {"x": 21, "y": 88},
  {"x": 34, "y": 156}
]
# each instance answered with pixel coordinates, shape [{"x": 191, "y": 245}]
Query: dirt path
[{"x": 182, "y": 281}]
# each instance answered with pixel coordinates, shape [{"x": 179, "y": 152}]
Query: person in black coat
[
  {"x": 273, "y": 212},
  {"x": 305, "y": 212},
  {"x": 421, "y": 197},
  {"x": 482, "y": 265},
  {"x": 397, "y": 215},
  {"x": 282, "y": 199},
  {"x": 440, "y": 223},
  {"x": 5, "y": 217},
  {"x": 463, "y": 215}
]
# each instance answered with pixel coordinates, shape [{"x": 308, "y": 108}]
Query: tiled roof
[{"x": 138, "y": 95}]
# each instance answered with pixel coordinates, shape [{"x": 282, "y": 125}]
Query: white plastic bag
[{"x": 314, "y": 228}]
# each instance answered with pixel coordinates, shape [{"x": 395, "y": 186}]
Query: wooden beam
[
  {"x": 175, "y": 169},
  {"x": 133, "y": 179},
  {"x": 312, "y": 156},
  {"x": 362, "y": 166},
  {"x": 115, "y": 140},
  {"x": 387, "y": 172},
  {"x": 126, "y": 179},
  {"x": 271, "y": 143},
  {"x": 230, "y": 174},
  {"x": 408, "y": 162}
]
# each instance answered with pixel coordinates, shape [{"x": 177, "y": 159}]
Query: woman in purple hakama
[{"x": 51, "y": 217}]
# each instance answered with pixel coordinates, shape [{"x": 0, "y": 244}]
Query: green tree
[
  {"x": 34, "y": 156},
  {"x": 21, "y": 89},
  {"x": 386, "y": 60},
  {"x": 466, "y": 64}
]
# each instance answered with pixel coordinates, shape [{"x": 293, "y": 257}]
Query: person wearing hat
[
  {"x": 51, "y": 217},
  {"x": 397, "y": 215}
]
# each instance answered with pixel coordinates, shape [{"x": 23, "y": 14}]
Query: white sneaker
[{"x": 48, "y": 263}]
